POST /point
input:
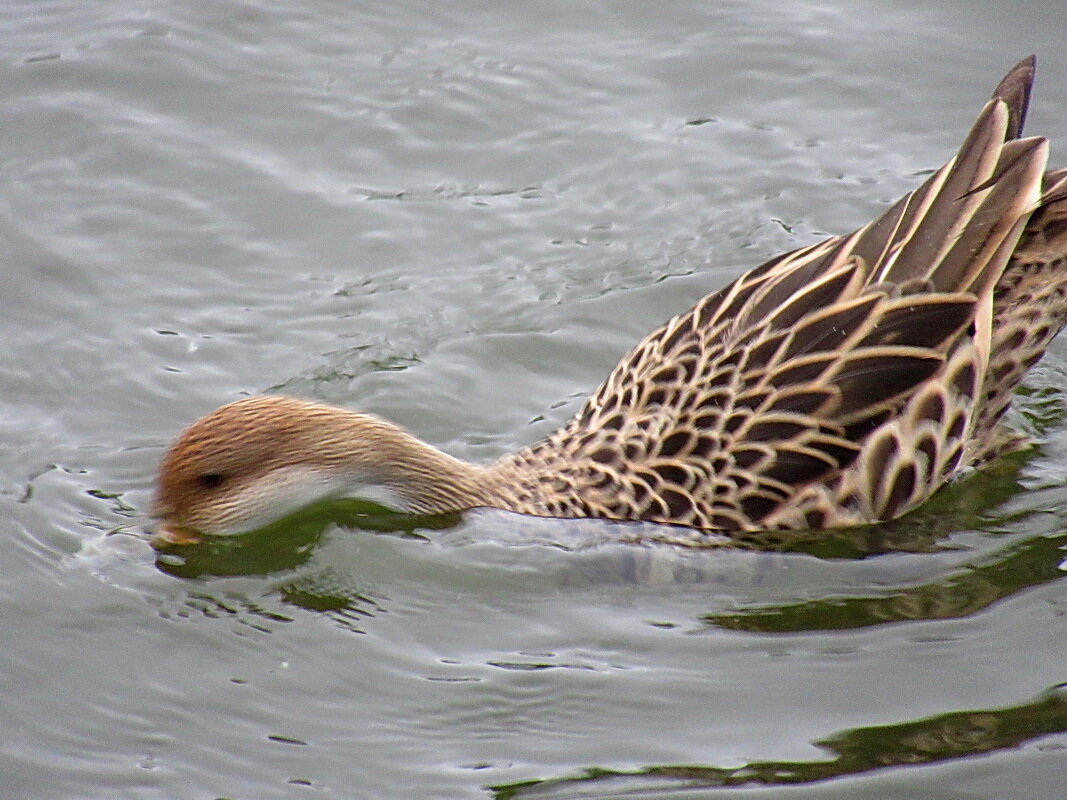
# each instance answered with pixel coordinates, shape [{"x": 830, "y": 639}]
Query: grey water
[{"x": 458, "y": 216}]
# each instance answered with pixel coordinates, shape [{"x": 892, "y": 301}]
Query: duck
[{"x": 839, "y": 384}]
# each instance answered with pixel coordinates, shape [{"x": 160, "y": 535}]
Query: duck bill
[{"x": 171, "y": 535}]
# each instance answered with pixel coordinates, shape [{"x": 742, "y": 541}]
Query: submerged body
[{"x": 839, "y": 384}]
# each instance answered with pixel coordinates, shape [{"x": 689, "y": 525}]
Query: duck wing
[{"x": 836, "y": 384}]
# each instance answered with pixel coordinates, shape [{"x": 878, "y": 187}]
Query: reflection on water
[
  {"x": 601, "y": 553},
  {"x": 1031, "y": 563},
  {"x": 927, "y": 741},
  {"x": 290, "y": 542},
  {"x": 327, "y": 593},
  {"x": 961, "y": 592}
]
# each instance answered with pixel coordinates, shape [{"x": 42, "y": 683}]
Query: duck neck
[{"x": 403, "y": 471}]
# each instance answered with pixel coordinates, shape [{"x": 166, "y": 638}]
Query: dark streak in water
[
  {"x": 287, "y": 740},
  {"x": 959, "y": 734}
]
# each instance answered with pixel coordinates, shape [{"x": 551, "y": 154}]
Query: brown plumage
[{"x": 838, "y": 384}]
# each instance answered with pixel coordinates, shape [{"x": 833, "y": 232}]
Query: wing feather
[{"x": 841, "y": 382}]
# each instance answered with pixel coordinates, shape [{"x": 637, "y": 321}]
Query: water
[{"x": 459, "y": 217}]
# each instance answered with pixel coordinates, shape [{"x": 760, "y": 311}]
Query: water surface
[{"x": 459, "y": 218}]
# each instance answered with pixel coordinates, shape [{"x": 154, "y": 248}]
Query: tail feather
[
  {"x": 991, "y": 222},
  {"x": 1054, "y": 187},
  {"x": 950, "y": 210},
  {"x": 1014, "y": 90},
  {"x": 982, "y": 247},
  {"x": 955, "y": 232}
]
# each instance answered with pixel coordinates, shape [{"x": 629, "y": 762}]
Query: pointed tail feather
[
  {"x": 1014, "y": 90},
  {"x": 956, "y": 231}
]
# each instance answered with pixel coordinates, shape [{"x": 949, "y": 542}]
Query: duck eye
[{"x": 210, "y": 480}]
